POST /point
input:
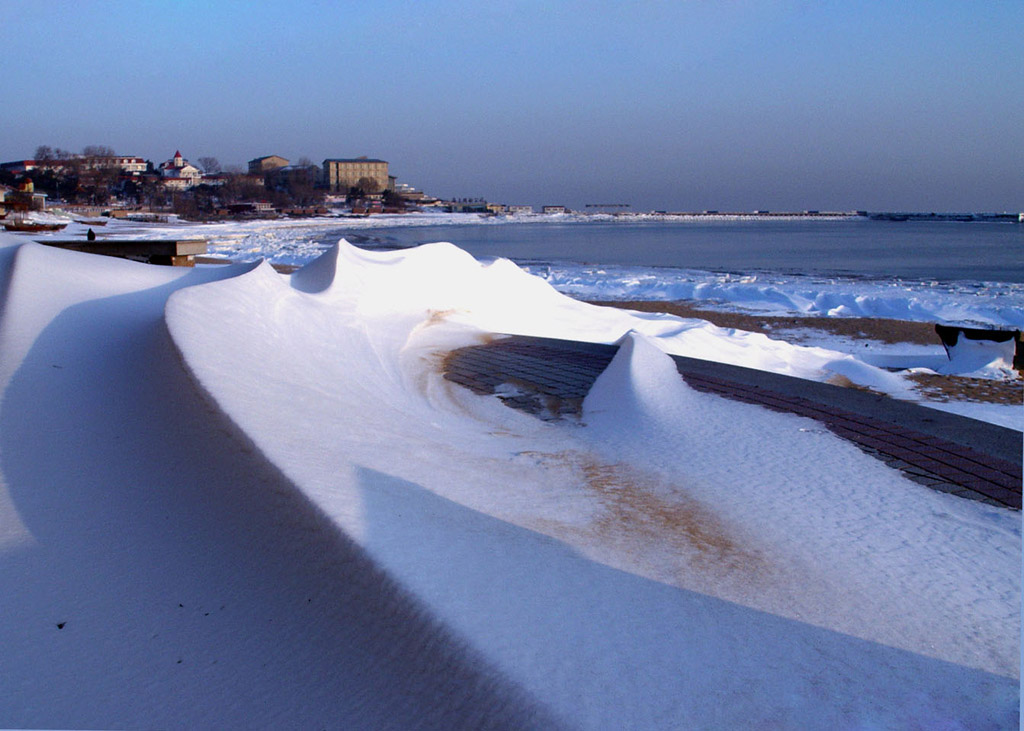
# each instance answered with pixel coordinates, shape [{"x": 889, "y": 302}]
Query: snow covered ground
[
  {"x": 997, "y": 304},
  {"x": 986, "y": 304},
  {"x": 230, "y": 497}
]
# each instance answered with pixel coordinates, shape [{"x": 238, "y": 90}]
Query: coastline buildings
[{"x": 342, "y": 174}]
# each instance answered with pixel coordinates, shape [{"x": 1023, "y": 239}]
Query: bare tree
[
  {"x": 368, "y": 185},
  {"x": 44, "y": 152},
  {"x": 210, "y": 165},
  {"x": 98, "y": 151}
]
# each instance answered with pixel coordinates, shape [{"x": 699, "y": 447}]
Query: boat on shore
[{"x": 33, "y": 226}]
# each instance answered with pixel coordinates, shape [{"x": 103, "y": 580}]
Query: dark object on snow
[
  {"x": 950, "y": 336},
  {"x": 91, "y": 235}
]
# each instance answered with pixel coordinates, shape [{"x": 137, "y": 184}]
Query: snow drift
[{"x": 230, "y": 497}]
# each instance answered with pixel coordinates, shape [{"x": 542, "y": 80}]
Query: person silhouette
[{"x": 91, "y": 235}]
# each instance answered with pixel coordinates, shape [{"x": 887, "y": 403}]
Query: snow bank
[
  {"x": 234, "y": 498},
  {"x": 157, "y": 571},
  {"x": 541, "y": 545}
]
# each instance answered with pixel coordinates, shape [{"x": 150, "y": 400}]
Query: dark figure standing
[{"x": 91, "y": 235}]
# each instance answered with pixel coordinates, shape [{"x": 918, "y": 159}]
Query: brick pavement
[{"x": 947, "y": 452}]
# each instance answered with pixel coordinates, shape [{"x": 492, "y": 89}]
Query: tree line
[{"x": 92, "y": 178}]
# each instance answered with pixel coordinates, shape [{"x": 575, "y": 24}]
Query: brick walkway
[{"x": 972, "y": 459}]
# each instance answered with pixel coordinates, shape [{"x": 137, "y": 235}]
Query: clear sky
[{"x": 683, "y": 105}]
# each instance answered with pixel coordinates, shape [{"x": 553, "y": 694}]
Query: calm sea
[{"x": 942, "y": 251}]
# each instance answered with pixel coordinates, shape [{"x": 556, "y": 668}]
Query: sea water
[
  {"x": 856, "y": 247},
  {"x": 941, "y": 271}
]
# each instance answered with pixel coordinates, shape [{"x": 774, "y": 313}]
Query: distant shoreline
[{"x": 570, "y": 216}]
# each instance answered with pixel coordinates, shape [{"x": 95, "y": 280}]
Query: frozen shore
[{"x": 232, "y": 497}]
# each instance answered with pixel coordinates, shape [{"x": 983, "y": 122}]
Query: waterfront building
[
  {"x": 520, "y": 209},
  {"x": 467, "y": 205},
  {"x": 370, "y": 174},
  {"x": 258, "y": 209},
  {"x": 554, "y": 209}
]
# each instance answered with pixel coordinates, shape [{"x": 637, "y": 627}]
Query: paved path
[{"x": 947, "y": 452}]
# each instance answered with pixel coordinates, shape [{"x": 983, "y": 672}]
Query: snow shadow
[
  {"x": 176, "y": 579},
  {"x": 608, "y": 649}
]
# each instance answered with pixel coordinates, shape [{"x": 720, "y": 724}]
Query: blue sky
[{"x": 679, "y": 105}]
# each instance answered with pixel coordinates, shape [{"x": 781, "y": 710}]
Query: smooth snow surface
[{"x": 268, "y": 479}]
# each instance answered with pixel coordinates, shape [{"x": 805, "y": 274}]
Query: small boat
[
  {"x": 32, "y": 226},
  {"x": 92, "y": 221}
]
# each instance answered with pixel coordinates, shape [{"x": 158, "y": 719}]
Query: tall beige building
[{"x": 370, "y": 174}]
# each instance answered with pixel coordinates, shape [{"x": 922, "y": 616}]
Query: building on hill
[
  {"x": 361, "y": 172},
  {"x": 130, "y": 165},
  {"x": 262, "y": 165},
  {"x": 127, "y": 164},
  {"x": 216, "y": 179},
  {"x": 179, "y": 174}
]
